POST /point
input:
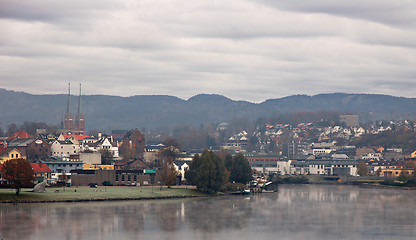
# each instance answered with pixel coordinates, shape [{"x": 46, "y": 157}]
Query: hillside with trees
[{"x": 153, "y": 111}]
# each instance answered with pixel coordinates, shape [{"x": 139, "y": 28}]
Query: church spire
[
  {"x": 79, "y": 102},
  {"x": 80, "y": 120},
  {"x": 69, "y": 119}
]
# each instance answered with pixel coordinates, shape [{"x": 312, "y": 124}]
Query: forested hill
[{"x": 150, "y": 111}]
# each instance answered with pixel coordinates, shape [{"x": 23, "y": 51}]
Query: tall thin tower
[
  {"x": 69, "y": 118},
  {"x": 80, "y": 120}
]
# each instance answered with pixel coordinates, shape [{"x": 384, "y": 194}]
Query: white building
[{"x": 64, "y": 148}]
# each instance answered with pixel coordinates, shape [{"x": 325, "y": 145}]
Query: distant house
[
  {"x": 135, "y": 163},
  {"x": 59, "y": 166},
  {"x": 181, "y": 167},
  {"x": 332, "y": 167},
  {"x": 97, "y": 167},
  {"x": 151, "y": 152},
  {"x": 38, "y": 149},
  {"x": 271, "y": 167},
  {"x": 21, "y": 144},
  {"x": 42, "y": 172},
  {"x": 113, "y": 177},
  {"x": 64, "y": 148},
  {"x": 360, "y": 152},
  {"x": 75, "y": 138},
  {"x": 10, "y": 153},
  {"x": 136, "y": 139},
  {"x": 237, "y": 142},
  {"x": 395, "y": 172},
  {"x": 18, "y": 135},
  {"x": 103, "y": 144}
]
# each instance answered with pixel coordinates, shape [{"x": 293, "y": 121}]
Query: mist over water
[{"x": 295, "y": 212}]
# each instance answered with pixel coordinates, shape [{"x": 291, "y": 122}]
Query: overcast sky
[{"x": 245, "y": 50}]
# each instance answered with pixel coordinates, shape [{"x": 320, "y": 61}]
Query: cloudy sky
[{"x": 245, "y": 50}]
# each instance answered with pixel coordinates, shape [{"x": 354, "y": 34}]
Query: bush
[
  {"x": 391, "y": 182},
  {"x": 388, "y": 182},
  {"x": 107, "y": 183},
  {"x": 410, "y": 183},
  {"x": 232, "y": 187}
]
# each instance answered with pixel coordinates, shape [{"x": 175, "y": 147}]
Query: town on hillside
[
  {"x": 329, "y": 144},
  {"x": 125, "y": 158}
]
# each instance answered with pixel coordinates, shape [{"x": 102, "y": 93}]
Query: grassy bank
[{"x": 96, "y": 194}]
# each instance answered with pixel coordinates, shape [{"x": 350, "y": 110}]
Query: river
[{"x": 295, "y": 212}]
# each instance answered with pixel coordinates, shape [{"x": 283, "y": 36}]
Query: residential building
[
  {"x": 42, "y": 172},
  {"x": 59, "y": 166},
  {"x": 64, "y": 148},
  {"x": 181, "y": 167},
  {"x": 38, "y": 149},
  {"x": 10, "y": 153},
  {"x": 97, "y": 167}
]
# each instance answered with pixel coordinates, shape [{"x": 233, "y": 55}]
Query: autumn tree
[
  {"x": 31, "y": 127},
  {"x": 167, "y": 156},
  {"x": 362, "y": 169},
  {"x": 168, "y": 174},
  {"x": 127, "y": 150},
  {"x": 18, "y": 173}
]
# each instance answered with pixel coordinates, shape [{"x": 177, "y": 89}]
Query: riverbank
[{"x": 85, "y": 194}]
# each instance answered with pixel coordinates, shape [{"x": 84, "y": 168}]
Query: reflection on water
[{"x": 295, "y": 212}]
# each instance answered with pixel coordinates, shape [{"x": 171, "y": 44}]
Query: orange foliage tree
[{"x": 18, "y": 173}]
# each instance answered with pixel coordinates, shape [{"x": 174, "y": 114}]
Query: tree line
[{"x": 29, "y": 127}]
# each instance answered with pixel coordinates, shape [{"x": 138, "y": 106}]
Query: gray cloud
[
  {"x": 397, "y": 13},
  {"x": 250, "y": 50}
]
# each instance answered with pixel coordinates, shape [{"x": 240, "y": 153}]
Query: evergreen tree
[
  {"x": 191, "y": 172},
  {"x": 240, "y": 169},
  {"x": 207, "y": 172},
  {"x": 228, "y": 162}
]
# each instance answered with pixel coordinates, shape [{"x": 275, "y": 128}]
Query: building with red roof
[
  {"x": 42, "y": 171},
  {"x": 19, "y": 134}
]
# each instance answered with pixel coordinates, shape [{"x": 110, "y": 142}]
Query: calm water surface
[{"x": 295, "y": 212}]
